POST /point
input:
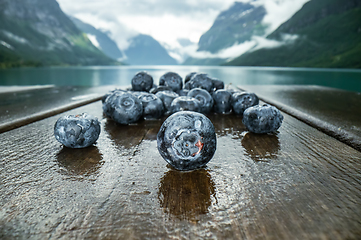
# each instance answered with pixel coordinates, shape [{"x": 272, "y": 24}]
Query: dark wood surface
[
  {"x": 29, "y": 104},
  {"x": 296, "y": 184},
  {"x": 333, "y": 111}
]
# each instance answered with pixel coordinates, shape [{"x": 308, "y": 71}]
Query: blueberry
[
  {"x": 124, "y": 108},
  {"x": 109, "y": 93},
  {"x": 185, "y": 103},
  {"x": 153, "y": 107},
  {"x": 205, "y": 99},
  {"x": 200, "y": 80},
  {"x": 262, "y": 119},
  {"x": 172, "y": 80},
  {"x": 243, "y": 100},
  {"x": 183, "y": 92},
  {"x": 222, "y": 101},
  {"x": 156, "y": 89},
  {"x": 189, "y": 77},
  {"x": 217, "y": 84},
  {"x": 187, "y": 140},
  {"x": 167, "y": 98},
  {"x": 142, "y": 81},
  {"x": 78, "y": 131}
]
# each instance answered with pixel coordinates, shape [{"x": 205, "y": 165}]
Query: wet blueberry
[
  {"x": 189, "y": 77},
  {"x": 183, "y": 92},
  {"x": 138, "y": 94},
  {"x": 77, "y": 131},
  {"x": 217, "y": 84},
  {"x": 222, "y": 101},
  {"x": 142, "y": 81},
  {"x": 187, "y": 140},
  {"x": 109, "y": 93},
  {"x": 153, "y": 107},
  {"x": 185, "y": 103},
  {"x": 262, "y": 119},
  {"x": 173, "y": 80},
  {"x": 124, "y": 108},
  {"x": 204, "y": 97},
  {"x": 200, "y": 80},
  {"x": 156, "y": 89},
  {"x": 167, "y": 98},
  {"x": 243, "y": 100}
]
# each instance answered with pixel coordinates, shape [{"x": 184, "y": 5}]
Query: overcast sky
[{"x": 165, "y": 20}]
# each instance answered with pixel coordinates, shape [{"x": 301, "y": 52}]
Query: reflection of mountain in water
[
  {"x": 186, "y": 195},
  {"x": 82, "y": 161},
  {"x": 261, "y": 147}
]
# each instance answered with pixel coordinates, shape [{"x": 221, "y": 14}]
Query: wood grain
[{"x": 296, "y": 184}]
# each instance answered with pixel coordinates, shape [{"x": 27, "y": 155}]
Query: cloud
[
  {"x": 167, "y": 21},
  {"x": 164, "y": 20},
  {"x": 279, "y": 11},
  {"x": 256, "y": 43}
]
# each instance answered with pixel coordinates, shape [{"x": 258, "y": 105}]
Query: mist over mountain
[
  {"x": 327, "y": 33},
  {"x": 238, "y": 24},
  {"x": 142, "y": 50},
  {"x": 37, "y": 32},
  {"x": 145, "y": 50},
  {"x": 100, "y": 39},
  {"x": 235, "y": 25}
]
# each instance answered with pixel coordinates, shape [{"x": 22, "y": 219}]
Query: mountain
[
  {"x": 145, "y": 50},
  {"x": 204, "y": 61},
  {"x": 100, "y": 39},
  {"x": 328, "y": 35},
  {"x": 37, "y": 32},
  {"x": 235, "y": 25}
]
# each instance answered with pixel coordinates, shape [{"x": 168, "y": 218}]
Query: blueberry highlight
[
  {"x": 187, "y": 140},
  {"x": 123, "y": 108},
  {"x": 185, "y": 103},
  {"x": 172, "y": 80},
  {"x": 142, "y": 81},
  {"x": 262, "y": 119},
  {"x": 156, "y": 89},
  {"x": 243, "y": 100},
  {"x": 77, "y": 131},
  {"x": 204, "y": 97}
]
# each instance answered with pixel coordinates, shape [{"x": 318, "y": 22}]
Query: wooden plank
[
  {"x": 333, "y": 111},
  {"x": 26, "y": 106},
  {"x": 296, "y": 184}
]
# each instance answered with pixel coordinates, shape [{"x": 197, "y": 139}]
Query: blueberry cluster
[{"x": 187, "y": 139}]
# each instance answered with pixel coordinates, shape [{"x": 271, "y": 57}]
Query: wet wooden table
[{"x": 296, "y": 184}]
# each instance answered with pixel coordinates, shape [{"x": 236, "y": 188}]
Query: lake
[{"x": 349, "y": 79}]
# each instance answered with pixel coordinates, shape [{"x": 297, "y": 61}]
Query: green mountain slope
[
  {"x": 329, "y": 35},
  {"x": 235, "y": 25},
  {"x": 37, "y": 32},
  {"x": 145, "y": 50},
  {"x": 106, "y": 44}
]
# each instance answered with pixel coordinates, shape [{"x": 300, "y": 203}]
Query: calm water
[{"x": 122, "y": 75}]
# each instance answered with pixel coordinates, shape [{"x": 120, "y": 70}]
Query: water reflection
[
  {"x": 224, "y": 124},
  {"x": 124, "y": 135},
  {"x": 261, "y": 147},
  {"x": 83, "y": 161},
  {"x": 186, "y": 195}
]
